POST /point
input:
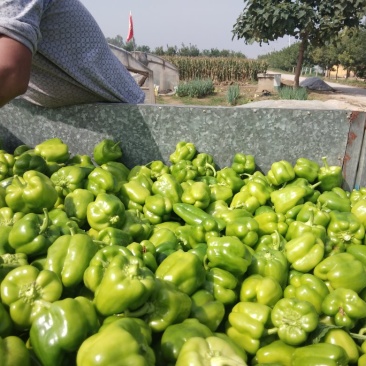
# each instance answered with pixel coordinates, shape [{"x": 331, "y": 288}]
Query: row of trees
[
  {"x": 184, "y": 50},
  {"x": 349, "y": 51}
]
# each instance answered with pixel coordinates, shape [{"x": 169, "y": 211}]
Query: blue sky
[{"x": 160, "y": 23}]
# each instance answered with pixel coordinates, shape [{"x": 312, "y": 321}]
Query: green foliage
[
  {"x": 288, "y": 92},
  {"x": 233, "y": 94},
  {"x": 197, "y": 88}
]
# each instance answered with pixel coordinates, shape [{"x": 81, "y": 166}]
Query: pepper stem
[
  {"x": 45, "y": 222},
  {"x": 147, "y": 308},
  {"x": 210, "y": 166},
  {"x": 325, "y": 162}
]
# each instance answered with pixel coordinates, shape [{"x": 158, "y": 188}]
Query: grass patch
[{"x": 288, "y": 92}]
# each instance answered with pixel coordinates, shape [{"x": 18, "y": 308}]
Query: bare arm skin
[{"x": 15, "y": 67}]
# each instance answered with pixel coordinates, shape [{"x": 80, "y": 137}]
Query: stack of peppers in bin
[{"x": 179, "y": 262}]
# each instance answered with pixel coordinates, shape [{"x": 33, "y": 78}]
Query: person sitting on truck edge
[{"x": 53, "y": 54}]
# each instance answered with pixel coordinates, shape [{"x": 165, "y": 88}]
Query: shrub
[
  {"x": 196, "y": 88},
  {"x": 288, "y": 92},
  {"x": 233, "y": 94}
]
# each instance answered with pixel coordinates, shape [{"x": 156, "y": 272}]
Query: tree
[
  {"x": 116, "y": 41},
  {"x": 315, "y": 22}
]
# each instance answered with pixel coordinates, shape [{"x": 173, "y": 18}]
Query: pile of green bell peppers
[{"x": 178, "y": 262}]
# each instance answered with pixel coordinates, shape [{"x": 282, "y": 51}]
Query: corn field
[{"x": 218, "y": 69}]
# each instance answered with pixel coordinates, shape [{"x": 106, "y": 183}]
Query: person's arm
[{"x": 15, "y": 67}]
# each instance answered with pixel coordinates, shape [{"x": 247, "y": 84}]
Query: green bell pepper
[
  {"x": 167, "y": 186},
  {"x": 243, "y": 163},
  {"x": 319, "y": 354},
  {"x": 114, "y": 236},
  {"x": 136, "y": 225},
  {"x": 270, "y": 262},
  {"x": 342, "y": 270},
  {"x": 28, "y": 161},
  {"x": 329, "y": 176},
  {"x": 345, "y": 306},
  {"x": 157, "y": 168},
  {"x": 219, "y": 192},
  {"x": 228, "y": 253},
  {"x": 184, "y": 269},
  {"x": 69, "y": 178},
  {"x": 246, "y": 200},
  {"x": 245, "y": 228},
  {"x": 157, "y": 209},
  {"x": 197, "y": 194},
  {"x": 260, "y": 289},
  {"x": 274, "y": 353},
  {"x": 9, "y": 261},
  {"x": 312, "y": 210},
  {"x": 118, "y": 170},
  {"x": 107, "y": 150},
  {"x": 306, "y": 168},
  {"x": 297, "y": 228},
  {"x": 13, "y": 352},
  {"x": 126, "y": 284},
  {"x": 280, "y": 172},
  {"x": 7, "y": 219},
  {"x": 59, "y": 330},
  {"x": 183, "y": 170},
  {"x": 294, "y": 320},
  {"x": 31, "y": 193},
  {"x": 166, "y": 306},
  {"x": 205, "y": 165},
  {"x": 306, "y": 287},
  {"x": 208, "y": 351},
  {"x": 222, "y": 285},
  {"x": 304, "y": 252},
  {"x": 76, "y": 204},
  {"x": 344, "y": 229},
  {"x": 272, "y": 241},
  {"x": 124, "y": 340},
  {"x": 84, "y": 161},
  {"x": 359, "y": 210},
  {"x": 102, "y": 181},
  {"x": 69, "y": 256},
  {"x": 107, "y": 210},
  {"x": 146, "y": 251},
  {"x": 94, "y": 273},
  {"x": 134, "y": 193},
  {"x": 269, "y": 222},
  {"x": 288, "y": 197},
  {"x": 247, "y": 324},
  {"x": 6, "y": 324},
  {"x": 228, "y": 176},
  {"x": 53, "y": 150},
  {"x": 26, "y": 290},
  {"x": 33, "y": 234},
  {"x": 176, "y": 335},
  {"x": 334, "y": 200},
  {"x": 207, "y": 309},
  {"x": 183, "y": 151}
]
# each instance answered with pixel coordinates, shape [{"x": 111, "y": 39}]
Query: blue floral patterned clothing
[{"x": 72, "y": 62}]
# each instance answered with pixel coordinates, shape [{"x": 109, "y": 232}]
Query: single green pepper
[
  {"x": 207, "y": 309},
  {"x": 228, "y": 176},
  {"x": 136, "y": 225},
  {"x": 197, "y": 194},
  {"x": 9, "y": 261},
  {"x": 342, "y": 270},
  {"x": 53, "y": 150},
  {"x": 222, "y": 285},
  {"x": 13, "y": 352},
  {"x": 107, "y": 210},
  {"x": 219, "y": 192},
  {"x": 167, "y": 186},
  {"x": 118, "y": 170},
  {"x": 102, "y": 181},
  {"x": 166, "y": 306},
  {"x": 176, "y": 335},
  {"x": 205, "y": 165},
  {"x": 76, "y": 204},
  {"x": 329, "y": 176},
  {"x": 280, "y": 172},
  {"x": 94, "y": 273},
  {"x": 84, "y": 161},
  {"x": 114, "y": 236},
  {"x": 294, "y": 319},
  {"x": 146, "y": 251},
  {"x": 26, "y": 290},
  {"x": 6, "y": 324},
  {"x": 275, "y": 353},
  {"x": 345, "y": 306},
  {"x": 183, "y": 151},
  {"x": 107, "y": 150},
  {"x": 183, "y": 170},
  {"x": 287, "y": 198},
  {"x": 209, "y": 351},
  {"x": 269, "y": 222},
  {"x": 59, "y": 330},
  {"x": 245, "y": 228},
  {"x": 359, "y": 210},
  {"x": 29, "y": 161},
  {"x": 306, "y": 168},
  {"x": 104, "y": 347},
  {"x": 126, "y": 284},
  {"x": 228, "y": 253},
  {"x": 304, "y": 252},
  {"x": 312, "y": 210},
  {"x": 246, "y": 200},
  {"x": 133, "y": 194},
  {"x": 243, "y": 163},
  {"x": 157, "y": 168},
  {"x": 184, "y": 269},
  {"x": 319, "y": 354},
  {"x": 7, "y": 220},
  {"x": 31, "y": 193},
  {"x": 33, "y": 234},
  {"x": 157, "y": 209},
  {"x": 247, "y": 323},
  {"x": 306, "y": 287},
  {"x": 260, "y": 289},
  {"x": 69, "y": 256}
]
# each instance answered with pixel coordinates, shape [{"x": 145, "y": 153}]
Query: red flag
[{"x": 130, "y": 29}]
